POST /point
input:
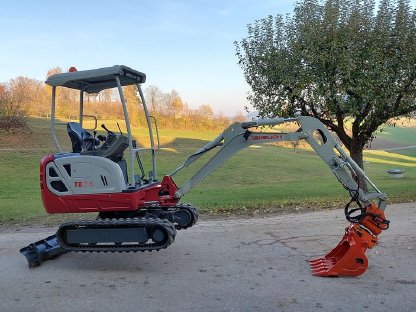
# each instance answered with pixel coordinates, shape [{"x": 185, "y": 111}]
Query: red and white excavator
[{"x": 138, "y": 212}]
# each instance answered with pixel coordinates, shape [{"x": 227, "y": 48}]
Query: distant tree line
[{"x": 22, "y": 96}]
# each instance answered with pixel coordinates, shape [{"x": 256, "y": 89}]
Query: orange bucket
[{"x": 348, "y": 257}]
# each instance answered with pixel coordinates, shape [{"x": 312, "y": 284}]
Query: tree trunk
[{"x": 356, "y": 153}]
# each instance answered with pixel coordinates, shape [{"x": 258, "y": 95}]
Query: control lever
[
  {"x": 119, "y": 129},
  {"x": 105, "y": 128}
]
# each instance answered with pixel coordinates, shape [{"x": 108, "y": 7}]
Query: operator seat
[
  {"x": 82, "y": 142},
  {"x": 81, "y": 139}
]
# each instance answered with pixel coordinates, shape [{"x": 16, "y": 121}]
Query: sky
[{"x": 183, "y": 45}]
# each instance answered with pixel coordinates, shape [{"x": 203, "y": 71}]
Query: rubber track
[{"x": 141, "y": 222}]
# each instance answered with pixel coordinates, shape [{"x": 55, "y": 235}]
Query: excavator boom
[
  {"x": 239, "y": 136},
  {"x": 348, "y": 257}
]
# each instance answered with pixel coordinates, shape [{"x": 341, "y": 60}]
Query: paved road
[{"x": 252, "y": 264}]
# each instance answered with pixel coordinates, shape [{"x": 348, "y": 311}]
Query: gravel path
[{"x": 247, "y": 264}]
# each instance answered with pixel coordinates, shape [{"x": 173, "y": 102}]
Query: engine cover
[
  {"x": 74, "y": 183},
  {"x": 67, "y": 175}
]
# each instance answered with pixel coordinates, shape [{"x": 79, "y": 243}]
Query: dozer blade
[
  {"x": 348, "y": 257},
  {"x": 41, "y": 251}
]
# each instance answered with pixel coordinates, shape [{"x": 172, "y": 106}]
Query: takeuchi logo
[{"x": 266, "y": 137}]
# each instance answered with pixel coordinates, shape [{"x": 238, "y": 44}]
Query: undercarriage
[{"x": 145, "y": 230}]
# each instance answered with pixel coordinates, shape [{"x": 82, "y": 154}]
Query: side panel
[
  {"x": 63, "y": 200},
  {"x": 87, "y": 175},
  {"x": 91, "y": 203},
  {"x": 63, "y": 191}
]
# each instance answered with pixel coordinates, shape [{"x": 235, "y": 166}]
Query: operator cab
[{"x": 113, "y": 145}]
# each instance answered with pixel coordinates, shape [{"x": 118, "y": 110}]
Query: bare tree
[
  {"x": 11, "y": 114},
  {"x": 153, "y": 97}
]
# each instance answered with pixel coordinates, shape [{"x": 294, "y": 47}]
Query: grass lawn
[
  {"x": 266, "y": 178},
  {"x": 406, "y": 136}
]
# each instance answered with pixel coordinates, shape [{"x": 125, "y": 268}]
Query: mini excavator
[{"x": 138, "y": 212}]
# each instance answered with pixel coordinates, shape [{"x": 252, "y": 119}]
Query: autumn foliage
[{"x": 22, "y": 96}]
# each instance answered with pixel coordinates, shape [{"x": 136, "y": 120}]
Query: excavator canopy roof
[{"x": 95, "y": 80}]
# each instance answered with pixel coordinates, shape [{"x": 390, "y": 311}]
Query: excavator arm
[{"x": 367, "y": 221}]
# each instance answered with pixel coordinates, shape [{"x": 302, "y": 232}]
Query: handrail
[
  {"x": 157, "y": 132},
  {"x": 95, "y": 120}
]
